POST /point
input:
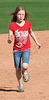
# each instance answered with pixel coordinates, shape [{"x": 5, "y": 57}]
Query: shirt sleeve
[
  {"x": 29, "y": 25},
  {"x": 11, "y": 27}
]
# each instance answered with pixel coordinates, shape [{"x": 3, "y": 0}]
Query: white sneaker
[
  {"x": 25, "y": 76},
  {"x": 21, "y": 88}
]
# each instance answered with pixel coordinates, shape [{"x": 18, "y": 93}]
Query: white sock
[
  {"x": 21, "y": 86},
  {"x": 25, "y": 72}
]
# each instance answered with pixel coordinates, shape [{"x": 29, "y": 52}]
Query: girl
[{"x": 21, "y": 29}]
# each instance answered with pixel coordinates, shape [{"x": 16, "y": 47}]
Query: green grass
[
  {"x": 24, "y": 1},
  {"x": 38, "y": 9}
]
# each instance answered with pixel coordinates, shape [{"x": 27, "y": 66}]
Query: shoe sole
[
  {"x": 20, "y": 90},
  {"x": 26, "y": 80}
]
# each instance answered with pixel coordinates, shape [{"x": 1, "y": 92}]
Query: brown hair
[{"x": 18, "y": 8}]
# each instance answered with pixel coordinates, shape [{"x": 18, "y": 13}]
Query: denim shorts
[{"x": 21, "y": 54}]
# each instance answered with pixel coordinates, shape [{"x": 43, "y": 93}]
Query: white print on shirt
[{"x": 21, "y": 38}]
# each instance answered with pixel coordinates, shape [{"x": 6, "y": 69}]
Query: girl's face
[{"x": 20, "y": 15}]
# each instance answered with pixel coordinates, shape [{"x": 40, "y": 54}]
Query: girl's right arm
[
  {"x": 10, "y": 36},
  {"x": 34, "y": 37}
]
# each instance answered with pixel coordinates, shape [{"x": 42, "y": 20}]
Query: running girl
[{"x": 21, "y": 28}]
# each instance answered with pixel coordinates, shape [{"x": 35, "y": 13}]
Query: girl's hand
[
  {"x": 9, "y": 41},
  {"x": 39, "y": 46}
]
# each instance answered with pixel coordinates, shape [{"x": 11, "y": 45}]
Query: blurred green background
[{"x": 38, "y": 9}]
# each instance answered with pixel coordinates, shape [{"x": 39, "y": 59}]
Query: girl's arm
[
  {"x": 10, "y": 36},
  {"x": 34, "y": 37}
]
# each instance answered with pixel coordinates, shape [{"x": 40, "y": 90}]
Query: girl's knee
[{"x": 25, "y": 66}]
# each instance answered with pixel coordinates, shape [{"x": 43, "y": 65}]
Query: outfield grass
[
  {"x": 24, "y": 1},
  {"x": 38, "y": 9}
]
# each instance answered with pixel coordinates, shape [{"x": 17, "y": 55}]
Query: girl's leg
[
  {"x": 19, "y": 75},
  {"x": 25, "y": 61},
  {"x": 25, "y": 73},
  {"x": 24, "y": 68},
  {"x": 17, "y": 62},
  {"x": 19, "y": 78}
]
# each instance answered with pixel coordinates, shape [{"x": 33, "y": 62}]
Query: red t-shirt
[{"x": 21, "y": 35}]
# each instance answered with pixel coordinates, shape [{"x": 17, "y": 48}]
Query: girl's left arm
[
  {"x": 10, "y": 36},
  {"x": 34, "y": 37}
]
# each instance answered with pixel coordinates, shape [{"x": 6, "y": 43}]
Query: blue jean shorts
[{"x": 24, "y": 54}]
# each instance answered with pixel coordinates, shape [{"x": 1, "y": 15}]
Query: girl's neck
[{"x": 21, "y": 23}]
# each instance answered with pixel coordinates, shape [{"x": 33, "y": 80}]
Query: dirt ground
[{"x": 38, "y": 86}]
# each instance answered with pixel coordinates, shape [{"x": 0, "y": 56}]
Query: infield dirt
[{"x": 38, "y": 86}]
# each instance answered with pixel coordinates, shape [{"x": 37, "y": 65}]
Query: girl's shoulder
[
  {"x": 28, "y": 22},
  {"x": 12, "y": 24}
]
